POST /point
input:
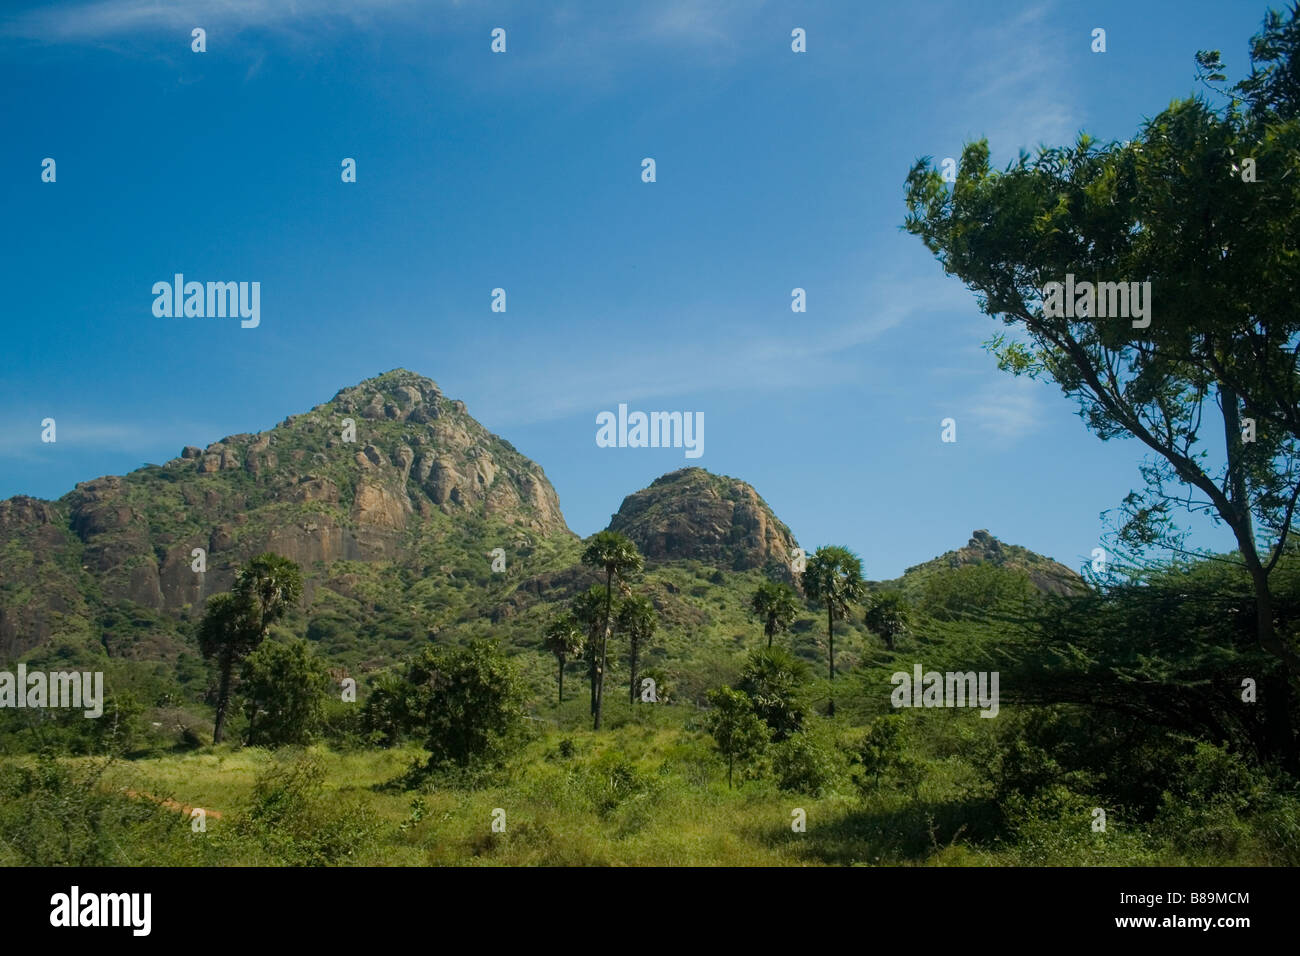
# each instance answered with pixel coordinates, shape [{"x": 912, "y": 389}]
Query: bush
[
  {"x": 804, "y": 765},
  {"x": 476, "y": 707},
  {"x": 772, "y": 678},
  {"x": 284, "y": 687},
  {"x": 54, "y": 813},
  {"x": 883, "y": 753},
  {"x": 739, "y": 733},
  {"x": 290, "y": 818}
]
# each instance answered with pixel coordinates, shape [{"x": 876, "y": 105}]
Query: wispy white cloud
[
  {"x": 806, "y": 354},
  {"x": 103, "y": 19},
  {"x": 697, "y": 21},
  {"x": 1006, "y": 408},
  {"x": 594, "y": 29},
  {"x": 1020, "y": 65},
  {"x": 23, "y": 441}
]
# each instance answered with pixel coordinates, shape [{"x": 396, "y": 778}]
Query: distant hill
[{"x": 1047, "y": 575}]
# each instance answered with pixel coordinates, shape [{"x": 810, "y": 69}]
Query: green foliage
[
  {"x": 739, "y": 733},
  {"x": 975, "y": 591},
  {"x": 284, "y": 688},
  {"x": 804, "y": 764},
  {"x": 290, "y": 817},
  {"x": 612, "y": 780},
  {"x": 617, "y": 557},
  {"x": 888, "y": 615},
  {"x": 638, "y": 621},
  {"x": 833, "y": 576},
  {"x": 225, "y": 629},
  {"x": 772, "y": 679},
  {"x": 1185, "y": 674},
  {"x": 266, "y": 588},
  {"x": 474, "y": 707},
  {"x": 394, "y": 709},
  {"x": 564, "y": 639},
  {"x": 1174, "y": 207},
  {"x": 236, "y": 623},
  {"x": 776, "y": 605},
  {"x": 54, "y": 813},
  {"x": 885, "y": 756},
  {"x": 664, "y": 688}
]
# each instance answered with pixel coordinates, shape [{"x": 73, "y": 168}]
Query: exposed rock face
[
  {"x": 301, "y": 489},
  {"x": 694, "y": 514}
]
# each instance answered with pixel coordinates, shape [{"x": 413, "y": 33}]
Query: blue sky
[{"x": 522, "y": 171}]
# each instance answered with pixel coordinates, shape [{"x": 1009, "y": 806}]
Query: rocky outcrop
[
  {"x": 694, "y": 514},
  {"x": 1047, "y": 575}
]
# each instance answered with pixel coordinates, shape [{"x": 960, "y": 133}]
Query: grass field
[{"x": 647, "y": 791}]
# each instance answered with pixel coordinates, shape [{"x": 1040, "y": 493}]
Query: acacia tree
[
  {"x": 1180, "y": 207},
  {"x": 776, "y": 605},
  {"x": 618, "y": 557},
  {"x": 887, "y": 615},
  {"x": 833, "y": 576},
  {"x": 636, "y": 619},
  {"x": 564, "y": 639}
]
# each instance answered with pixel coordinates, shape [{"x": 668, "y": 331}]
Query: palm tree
[
  {"x": 589, "y": 611},
  {"x": 636, "y": 619},
  {"x": 224, "y": 633},
  {"x": 774, "y": 604},
  {"x": 618, "y": 557},
  {"x": 271, "y": 584},
  {"x": 834, "y": 576},
  {"x": 235, "y": 624},
  {"x": 564, "y": 640},
  {"x": 887, "y": 615}
]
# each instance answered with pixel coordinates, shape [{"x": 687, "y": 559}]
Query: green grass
[{"x": 646, "y": 791}]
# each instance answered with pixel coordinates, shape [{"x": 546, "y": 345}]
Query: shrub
[
  {"x": 884, "y": 756},
  {"x": 772, "y": 678},
  {"x": 290, "y": 818},
  {"x": 804, "y": 765}
]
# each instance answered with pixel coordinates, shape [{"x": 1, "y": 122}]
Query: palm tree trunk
[
  {"x": 604, "y": 646},
  {"x": 223, "y": 697},
  {"x": 830, "y": 631},
  {"x": 631, "y": 687}
]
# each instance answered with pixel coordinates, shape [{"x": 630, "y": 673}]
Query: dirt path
[{"x": 171, "y": 804}]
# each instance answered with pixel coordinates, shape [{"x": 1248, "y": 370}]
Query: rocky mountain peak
[
  {"x": 694, "y": 514},
  {"x": 983, "y": 548},
  {"x": 389, "y": 470}
]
